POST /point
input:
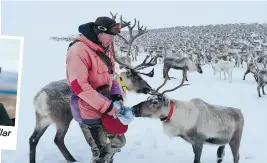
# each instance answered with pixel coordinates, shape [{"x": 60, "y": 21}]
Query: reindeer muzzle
[
  {"x": 137, "y": 109},
  {"x": 146, "y": 90}
]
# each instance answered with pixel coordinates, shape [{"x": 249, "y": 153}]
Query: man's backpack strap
[
  {"x": 73, "y": 42},
  {"x": 103, "y": 57}
]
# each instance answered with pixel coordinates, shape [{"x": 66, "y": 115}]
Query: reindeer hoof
[{"x": 72, "y": 160}]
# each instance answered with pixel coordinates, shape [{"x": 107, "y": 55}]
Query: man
[{"x": 89, "y": 66}]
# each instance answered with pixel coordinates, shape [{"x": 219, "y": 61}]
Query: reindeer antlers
[
  {"x": 131, "y": 39},
  {"x": 113, "y": 16},
  {"x": 156, "y": 92},
  {"x": 145, "y": 65},
  {"x": 150, "y": 74},
  {"x": 179, "y": 86},
  {"x": 130, "y": 42},
  {"x": 123, "y": 23}
]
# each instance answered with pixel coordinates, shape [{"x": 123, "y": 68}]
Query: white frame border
[{"x": 10, "y": 143}]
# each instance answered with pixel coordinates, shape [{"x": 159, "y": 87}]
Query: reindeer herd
[{"x": 225, "y": 48}]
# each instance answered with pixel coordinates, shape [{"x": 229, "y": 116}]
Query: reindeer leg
[
  {"x": 35, "y": 137},
  {"x": 197, "y": 148},
  {"x": 245, "y": 74},
  {"x": 234, "y": 145},
  {"x": 258, "y": 89},
  {"x": 263, "y": 92},
  {"x": 59, "y": 140},
  {"x": 166, "y": 70},
  {"x": 255, "y": 77},
  {"x": 230, "y": 76},
  {"x": 185, "y": 74},
  {"x": 220, "y": 154}
]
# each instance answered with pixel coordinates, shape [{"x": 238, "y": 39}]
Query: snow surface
[{"x": 145, "y": 139}]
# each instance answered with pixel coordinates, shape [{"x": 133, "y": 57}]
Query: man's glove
[{"x": 116, "y": 97}]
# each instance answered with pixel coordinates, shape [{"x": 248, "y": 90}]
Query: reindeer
[
  {"x": 159, "y": 55},
  {"x": 226, "y": 67},
  {"x": 262, "y": 81},
  {"x": 184, "y": 64},
  {"x": 195, "y": 58},
  {"x": 249, "y": 59},
  {"x": 264, "y": 62},
  {"x": 243, "y": 59},
  {"x": 253, "y": 68},
  {"x": 238, "y": 60},
  {"x": 195, "y": 121},
  {"x": 52, "y": 105}
]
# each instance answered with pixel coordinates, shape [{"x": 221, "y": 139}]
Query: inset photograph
[{"x": 10, "y": 56}]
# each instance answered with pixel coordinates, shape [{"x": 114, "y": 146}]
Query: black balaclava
[{"x": 90, "y": 30}]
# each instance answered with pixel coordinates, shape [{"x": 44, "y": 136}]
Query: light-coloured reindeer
[
  {"x": 226, "y": 67},
  {"x": 195, "y": 58},
  {"x": 195, "y": 121},
  {"x": 238, "y": 61},
  {"x": 52, "y": 105},
  {"x": 262, "y": 81},
  {"x": 184, "y": 64}
]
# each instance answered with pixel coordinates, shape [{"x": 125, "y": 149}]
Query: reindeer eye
[
  {"x": 136, "y": 78},
  {"x": 128, "y": 74},
  {"x": 155, "y": 102}
]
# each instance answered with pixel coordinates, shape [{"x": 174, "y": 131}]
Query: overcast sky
[
  {"x": 37, "y": 21},
  {"x": 9, "y": 54},
  {"x": 62, "y": 18}
]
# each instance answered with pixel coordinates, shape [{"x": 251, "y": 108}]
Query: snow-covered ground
[{"x": 145, "y": 139}]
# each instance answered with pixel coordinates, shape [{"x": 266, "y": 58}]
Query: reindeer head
[
  {"x": 132, "y": 78},
  {"x": 157, "y": 105},
  {"x": 199, "y": 69},
  {"x": 135, "y": 82}
]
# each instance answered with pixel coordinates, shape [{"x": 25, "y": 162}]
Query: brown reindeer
[{"x": 184, "y": 64}]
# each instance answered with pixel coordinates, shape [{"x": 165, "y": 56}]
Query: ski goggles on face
[{"x": 113, "y": 29}]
